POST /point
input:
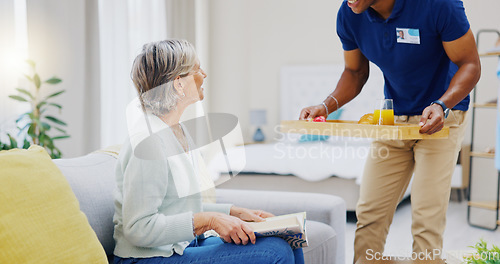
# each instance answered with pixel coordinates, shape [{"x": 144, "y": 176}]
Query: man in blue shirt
[{"x": 427, "y": 52}]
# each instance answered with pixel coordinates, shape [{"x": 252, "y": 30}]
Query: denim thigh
[{"x": 214, "y": 250}]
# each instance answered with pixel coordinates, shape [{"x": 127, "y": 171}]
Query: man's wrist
[{"x": 446, "y": 110}]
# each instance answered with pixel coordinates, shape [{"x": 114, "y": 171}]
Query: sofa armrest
[{"x": 323, "y": 208}]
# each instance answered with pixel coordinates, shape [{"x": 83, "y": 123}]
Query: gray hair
[{"x": 155, "y": 69}]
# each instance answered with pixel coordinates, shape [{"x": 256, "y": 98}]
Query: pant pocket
[{"x": 455, "y": 118}]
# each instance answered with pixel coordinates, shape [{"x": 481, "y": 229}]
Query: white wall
[
  {"x": 9, "y": 80},
  {"x": 251, "y": 40},
  {"x": 484, "y": 15},
  {"x": 61, "y": 41}
]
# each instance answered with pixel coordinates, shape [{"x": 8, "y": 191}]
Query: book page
[{"x": 292, "y": 222}]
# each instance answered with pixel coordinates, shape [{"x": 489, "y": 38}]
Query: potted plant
[
  {"x": 483, "y": 255},
  {"x": 34, "y": 126}
]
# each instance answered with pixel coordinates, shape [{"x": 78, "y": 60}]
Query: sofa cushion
[
  {"x": 40, "y": 220},
  {"x": 322, "y": 243},
  {"x": 92, "y": 178}
]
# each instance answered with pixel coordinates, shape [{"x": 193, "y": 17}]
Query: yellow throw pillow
[{"x": 40, "y": 218}]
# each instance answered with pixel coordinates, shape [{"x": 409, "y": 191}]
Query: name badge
[{"x": 408, "y": 35}]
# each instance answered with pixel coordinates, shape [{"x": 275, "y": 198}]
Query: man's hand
[
  {"x": 432, "y": 119},
  {"x": 312, "y": 112}
]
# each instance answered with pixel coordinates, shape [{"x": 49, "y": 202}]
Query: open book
[{"x": 290, "y": 227}]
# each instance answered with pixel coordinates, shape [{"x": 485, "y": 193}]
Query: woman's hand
[
  {"x": 249, "y": 215},
  {"x": 312, "y": 112},
  {"x": 229, "y": 228}
]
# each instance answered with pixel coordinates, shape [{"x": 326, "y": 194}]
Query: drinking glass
[{"x": 384, "y": 112}]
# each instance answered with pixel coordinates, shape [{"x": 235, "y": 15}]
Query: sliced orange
[{"x": 367, "y": 119}]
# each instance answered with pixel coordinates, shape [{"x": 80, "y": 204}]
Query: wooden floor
[{"x": 458, "y": 234}]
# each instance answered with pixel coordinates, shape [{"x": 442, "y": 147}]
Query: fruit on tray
[
  {"x": 319, "y": 119},
  {"x": 367, "y": 119}
]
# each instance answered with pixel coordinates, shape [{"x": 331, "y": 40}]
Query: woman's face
[{"x": 194, "y": 89}]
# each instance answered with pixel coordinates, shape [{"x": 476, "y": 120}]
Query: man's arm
[
  {"x": 356, "y": 72},
  {"x": 462, "y": 52}
]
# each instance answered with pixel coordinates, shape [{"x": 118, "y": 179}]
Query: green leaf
[
  {"x": 45, "y": 126},
  {"x": 43, "y": 139},
  {"x": 60, "y": 130},
  {"x": 26, "y": 144},
  {"x": 48, "y": 142},
  {"x": 28, "y": 77},
  {"x": 13, "y": 142},
  {"x": 55, "y": 120},
  {"x": 25, "y": 92},
  {"x": 54, "y": 94},
  {"x": 22, "y": 129},
  {"x": 56, "y": 105},
  {"x": 22, "y": 116},
  {"x": 36, "y": 80},
  {"x": 31, "y": 63},
  {"x": 31, "y": 130},
  {"x": 60, "y": 137},
  {"x": 56, "y": 153},
  {"x": 4, "y": 146},
  {"x": 18, "y": 98},
  {"x": 53, "y": 80},
  {"x": 39, "y": 105}
]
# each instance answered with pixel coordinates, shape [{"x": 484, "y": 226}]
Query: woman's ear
[{"x": 178, "y": 85}]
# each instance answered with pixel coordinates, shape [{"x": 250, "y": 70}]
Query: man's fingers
[
  {"x": 426, "y": 126},
  {"x": 436, "y": 129},
  {"x": 303, "y": 114},
  {"x": 313, "y": 113},
  {"x": 424, "y": 117}
]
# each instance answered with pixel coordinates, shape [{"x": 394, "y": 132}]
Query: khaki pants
[{"x": 386, "y": 178}]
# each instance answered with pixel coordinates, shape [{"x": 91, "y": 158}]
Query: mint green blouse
[{"x": 158, "y": 191}]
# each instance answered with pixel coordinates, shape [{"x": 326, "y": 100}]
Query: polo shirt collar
[{"x": 374, "y": 17}]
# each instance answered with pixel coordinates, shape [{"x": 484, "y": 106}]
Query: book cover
[{"x": 290, "y": 227}]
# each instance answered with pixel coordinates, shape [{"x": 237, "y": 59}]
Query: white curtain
[
  {"x": 124, "y": 26},
  {"x": 13, "y": 53}
]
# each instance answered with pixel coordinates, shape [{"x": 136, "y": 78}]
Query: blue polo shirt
[{"x": 408, "y": 48}]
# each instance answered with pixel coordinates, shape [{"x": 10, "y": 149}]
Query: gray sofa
[{"x": 92, "y": 179}]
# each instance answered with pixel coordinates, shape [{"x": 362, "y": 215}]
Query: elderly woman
[{"x": 159, "y": 213}]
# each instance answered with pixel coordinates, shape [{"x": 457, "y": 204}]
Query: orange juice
[{"x": 387, "y": 117}]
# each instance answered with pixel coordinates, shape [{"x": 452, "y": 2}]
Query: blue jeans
[{"x": 214, "y": 250}]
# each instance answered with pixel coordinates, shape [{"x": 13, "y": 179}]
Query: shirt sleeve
[
  {"x": 145, "y": 185},
  {"x": 343, "y": 30},
  {"x": 220, "y": 208},
  {"x": 451, "y": 20}
]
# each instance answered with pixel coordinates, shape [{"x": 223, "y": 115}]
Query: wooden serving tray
[{"x": 353, "y": 129}]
